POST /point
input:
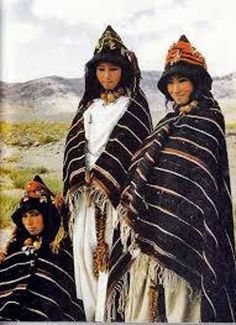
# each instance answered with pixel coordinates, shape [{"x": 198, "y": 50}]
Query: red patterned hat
[
  {"x": 39, "y": 197},
  {"x": 183, "y": 51},
  {"x": 183, "y": 59}
]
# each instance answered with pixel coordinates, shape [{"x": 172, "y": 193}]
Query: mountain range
[{"x": 56, "y": 98}]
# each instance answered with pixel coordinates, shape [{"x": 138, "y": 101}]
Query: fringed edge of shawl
[
  {"x": 165, "y": 275},
  {"x": 72, "y": 199},
  {"x": 159, "y": 274},
  {"x": 121, "y": 289},
  {"x": 174, "y": 282},
  {"x": 127, "y": 232},
  {"x": 98, "y": 197}
]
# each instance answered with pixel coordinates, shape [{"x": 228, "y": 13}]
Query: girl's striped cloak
[
  {"x": 38, "y": 286},
  {"x": 178, "y": 205}
]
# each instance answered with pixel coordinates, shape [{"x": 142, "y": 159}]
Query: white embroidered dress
[{"x": 99, "y": 121}]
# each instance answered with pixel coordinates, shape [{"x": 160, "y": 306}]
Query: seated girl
[{"x": 36, "y": 268}]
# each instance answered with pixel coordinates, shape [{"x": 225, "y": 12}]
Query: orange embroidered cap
[
  {"x": 183, "y": 51},
  {"x": 183, "y": 59}
]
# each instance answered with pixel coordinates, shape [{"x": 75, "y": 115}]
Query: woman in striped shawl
[
  {"x": 175, "y": 248},
  {"x": 36, "y": 269},
  {"x": 111, "y": 122}
]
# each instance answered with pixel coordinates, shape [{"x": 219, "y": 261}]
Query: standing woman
[
  {"x": 111, "y": 122},
  {"x": 178, "y": 206}
]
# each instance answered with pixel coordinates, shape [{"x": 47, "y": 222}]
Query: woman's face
[
  {"x": 180, "y": 89},
  {"x": 108, "y": 74},
  {"x": 33, "y": 222}
]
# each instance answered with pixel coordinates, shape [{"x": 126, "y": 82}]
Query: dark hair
[
  {"x": 93, "y": 88},
  {"x": 203, "y": 96},
  {"x": 51, "y": 217},
  {"x": 198, "y": 75}
]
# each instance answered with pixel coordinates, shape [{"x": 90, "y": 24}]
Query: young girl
[
  {"x": 36, "y": 270},
  {"x": 112, "y": 120},
  {"x": 177, "y": 203}
]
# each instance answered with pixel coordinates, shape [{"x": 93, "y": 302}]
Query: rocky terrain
[{"x": 56, "y": 99}]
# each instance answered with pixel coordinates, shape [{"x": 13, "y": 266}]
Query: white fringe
[
  {"x": 93, "y": 195},
  {"x": 122, "y": 290},
  {"x": 73, "y": 202},
  {"x": 170, "y": 279},
  {"x": 121, "y": 212},
  {"x": 158, "y": 272},
  {"x": 139, "y": 271},
  {"x": 123, "y": 296},
  {"x": 97, "y": 197},
  {"x": 127, "y": 232}
]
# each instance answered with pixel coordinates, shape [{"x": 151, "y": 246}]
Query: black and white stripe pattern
[
  {"x": 178, "y": 204},
  {"x": 112, "y": 166},
  {"x": 39, "y": 287}
]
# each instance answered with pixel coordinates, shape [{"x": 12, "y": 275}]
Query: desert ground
[{"x": 21, "y": 160}]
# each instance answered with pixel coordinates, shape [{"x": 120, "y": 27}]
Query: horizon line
[{"x": 63, "y": 77}]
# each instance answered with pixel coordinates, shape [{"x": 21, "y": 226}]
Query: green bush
[
  {"x": 230, "y": 127},
  {"x": 44, "y": 139},
  {"x": 20, "y": 177},
  {"x": 28, "y": 133},
  {"x": 54, "y": 182},
  {"x": 8, "y": 204}
]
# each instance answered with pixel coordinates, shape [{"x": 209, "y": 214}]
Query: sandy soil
[{"x": 51, "y": 157}]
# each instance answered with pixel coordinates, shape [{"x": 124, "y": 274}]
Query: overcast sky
[{"x": 57, "y": 37}]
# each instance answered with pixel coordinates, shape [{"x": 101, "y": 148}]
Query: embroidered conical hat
[
  {"x": 183, "y": 51},
  {"x": 183, "y": 59},
  {"x": 110, "y": 41},
  {"x": 111, "y": 49},
  {"x": 39, "y": 197}
]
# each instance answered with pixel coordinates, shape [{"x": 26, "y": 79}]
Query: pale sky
[{"x": 57, "y": 37}]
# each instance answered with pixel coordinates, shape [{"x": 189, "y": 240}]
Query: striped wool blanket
[
  {"x": 39, "y": 286},
  {"x": 178, "y": 206},
  {"x": 111, "y": 168}
]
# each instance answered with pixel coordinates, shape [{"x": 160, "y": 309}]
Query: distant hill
[{"x": 56, "y": 98}]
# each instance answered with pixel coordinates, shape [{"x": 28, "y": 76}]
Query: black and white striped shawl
[
  {"x": 111, "y": 168},
  {"x": 178, "y": 204},
  {"x": 39, "y": 287}
]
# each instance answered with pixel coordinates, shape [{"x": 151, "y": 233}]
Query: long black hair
[
  {"x": 51, "y": 219},
  {"x": 129, "y": 76},
  {"x": 200, "y": 78}
]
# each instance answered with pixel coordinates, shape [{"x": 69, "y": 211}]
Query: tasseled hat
[
  {"x": 183, "y": 59},
  {"x": 38, "y": 197},
  {"x": 111, "y": 49}
]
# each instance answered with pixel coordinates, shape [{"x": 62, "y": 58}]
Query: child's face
[
  {"x": 108, "y": 75},
  {"x": 180, "y": 89},
  {"x": 33, "y": 222}
]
